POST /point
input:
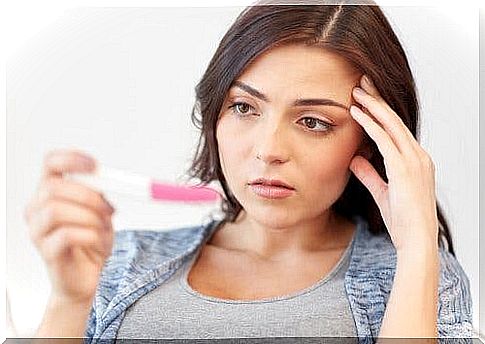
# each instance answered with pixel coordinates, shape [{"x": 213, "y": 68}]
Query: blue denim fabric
[{"x": 143, "y": 259}]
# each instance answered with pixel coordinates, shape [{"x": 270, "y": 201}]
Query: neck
[{"x": 271, "y": 241}]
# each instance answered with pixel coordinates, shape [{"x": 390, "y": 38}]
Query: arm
[
  {"x": 455, "y": 315},
  {"x": 64, "y": 318},
  {"x": 408, "y": 206},
  {"x": 412, "y": 307}
]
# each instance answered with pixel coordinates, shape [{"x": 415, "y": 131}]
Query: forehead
[{"x": 300, "y": 68}]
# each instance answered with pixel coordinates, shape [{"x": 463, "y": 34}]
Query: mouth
[
  {"x": 271, "y": 183},
  {"x": 271, "y": 191},
  {"x": 271, "y": 186}
]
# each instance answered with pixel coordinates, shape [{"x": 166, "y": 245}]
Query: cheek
[
  {"x": 329, "y": 163},
  {"x": 331, "y": 168},
  {"x": 229, "y": 145}
]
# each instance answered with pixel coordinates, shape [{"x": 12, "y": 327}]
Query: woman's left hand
[{"x": 408, "y": 201}]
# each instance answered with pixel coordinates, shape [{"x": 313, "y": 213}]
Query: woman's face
[{"x": 307, "y": 146}]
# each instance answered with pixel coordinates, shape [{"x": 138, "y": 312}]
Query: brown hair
[{"x": 359, "y": 33}]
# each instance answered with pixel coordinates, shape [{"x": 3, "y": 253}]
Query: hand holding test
[{"x": 106, "y": 179}]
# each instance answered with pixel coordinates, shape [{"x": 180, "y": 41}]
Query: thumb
[{"x": 366, "y": 173}]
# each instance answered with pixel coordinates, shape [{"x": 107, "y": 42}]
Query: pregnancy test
[{"x": 106, "y": 179}]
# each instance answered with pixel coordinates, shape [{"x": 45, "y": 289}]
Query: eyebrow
[{"x": 298, "y": 102}]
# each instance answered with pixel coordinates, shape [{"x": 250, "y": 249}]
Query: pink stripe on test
[{"x": 168, "y": 192}]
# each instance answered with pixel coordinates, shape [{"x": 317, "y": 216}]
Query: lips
[{"x": 271, "y": 182}]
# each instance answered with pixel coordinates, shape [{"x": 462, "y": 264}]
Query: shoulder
[
  {"x": 372, "y": 253},
  {"x": 452, "y": 272},
  {"x": 139, "y": 244},
  {"x": 376, "y": 252},
  {"x": 373, "y": 264},
  {"x": 455, "y": 303},
  {"x": 139, "y": 252},
  {"x": 149, "y": 248}
]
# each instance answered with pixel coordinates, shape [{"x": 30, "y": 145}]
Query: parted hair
[{"x": 359, "y": 33}]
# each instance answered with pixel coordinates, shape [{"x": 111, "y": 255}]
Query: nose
[{"x": 271, "y": 145}]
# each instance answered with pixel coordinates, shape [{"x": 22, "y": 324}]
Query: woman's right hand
[{"x": 70, "y": 225}]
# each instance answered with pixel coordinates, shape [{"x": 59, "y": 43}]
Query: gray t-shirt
[{"x": 174, "y": 310}]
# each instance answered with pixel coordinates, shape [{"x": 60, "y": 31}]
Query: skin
[
  {"x": 272, "y": 143},
  {"x": 408, "y": 206},
  {"x": 70, "y": 224},
  {"x": 275, "y": 139}
]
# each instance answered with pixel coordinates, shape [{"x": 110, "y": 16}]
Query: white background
[{"x": 116, "y": 83}]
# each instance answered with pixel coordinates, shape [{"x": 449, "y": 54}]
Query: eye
[
  {"x": 312, "y": 122},
  {"x": 240, "y": 108}
]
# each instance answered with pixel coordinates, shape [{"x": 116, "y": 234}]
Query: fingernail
[
  {"x": 108, "y": 207},
  {"x": 354, "y": 110},
  {"x": 366, "y": 79},
  {"x": 107, "y": 221},
  {"x": 88, "y": 163},
  {"x": 358, "y": 91}
]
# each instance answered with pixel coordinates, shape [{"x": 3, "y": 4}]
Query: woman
[{"x": 354, "y": 244}]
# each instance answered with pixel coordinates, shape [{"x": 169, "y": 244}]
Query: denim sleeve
[
  {"x": 455, "y": 303},
  {"x": 90, "y": 326}
]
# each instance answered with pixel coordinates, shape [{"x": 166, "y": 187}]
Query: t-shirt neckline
[{"x": 324, "y": 279}]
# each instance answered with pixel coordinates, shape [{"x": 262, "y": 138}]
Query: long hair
[{"x": 359, "y": 33}]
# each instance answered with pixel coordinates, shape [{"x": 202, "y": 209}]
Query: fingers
[
  {"x": 61, "y": 161},
  {"x": 60, "y": 202},
  {"x": 368, "y": 96},
  {"x": 366, "y": 173},
  {"x": 56, "y": 245},
  {"x": 67, "y": 190},
  {"x": 55, "y": 213},
  {"x": 70, "y": 225},
  {"x": 386, "y": 146}
]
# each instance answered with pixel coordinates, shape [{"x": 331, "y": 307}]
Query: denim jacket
[{"x": 143, "y": 259}]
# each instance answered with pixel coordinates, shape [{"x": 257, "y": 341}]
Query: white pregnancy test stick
[{"x": 106, "y": 179}]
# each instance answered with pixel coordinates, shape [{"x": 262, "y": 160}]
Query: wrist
[
  {"x": 425, "y": 257},
  {"x": 64, "y": 317},
  {"x": 422, "y": 246},
  {"x": 58, "y": 301}
]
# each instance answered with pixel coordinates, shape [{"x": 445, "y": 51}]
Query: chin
[{"x": 272, "y": 216}]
